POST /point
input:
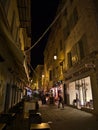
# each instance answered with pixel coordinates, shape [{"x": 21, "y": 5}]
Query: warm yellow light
[
  {"x": 43, "y": 76},
  {"x": 55, "y": 57}
]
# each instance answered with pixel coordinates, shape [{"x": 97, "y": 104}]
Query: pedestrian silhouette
[{"x": 60, "y": 101}]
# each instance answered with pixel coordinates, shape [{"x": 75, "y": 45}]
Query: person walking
[
  {"x": 60, "y": 101},
  {"x": 43, "y": 99}
]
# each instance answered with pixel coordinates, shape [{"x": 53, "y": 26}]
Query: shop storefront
[
  {"x": 57, "y": 89},
  {"x": 80, "y": 93}
]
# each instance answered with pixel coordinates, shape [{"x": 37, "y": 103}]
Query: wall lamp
[
  {"x": 43, "y": 75},
  {"x": 55, "y": 57}
]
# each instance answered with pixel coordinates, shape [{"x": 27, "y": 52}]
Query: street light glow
[{"x": 55, "y": 57}]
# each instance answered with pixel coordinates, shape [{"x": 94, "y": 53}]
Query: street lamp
[
  {"x": 61, "y": 61},
  {"x": 43, "y": 75},
  {"x": 55, "y": 57}
]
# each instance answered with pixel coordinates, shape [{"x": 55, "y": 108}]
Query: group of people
[
  {"x": 46, "y": 99},
  {"x": 51, "y": 100}
]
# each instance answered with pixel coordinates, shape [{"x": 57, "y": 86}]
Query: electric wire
[{"x": 62, "y": 10}]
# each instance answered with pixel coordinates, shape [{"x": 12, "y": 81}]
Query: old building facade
[
  {"x": 38, "y": 77},
  {"x": 74, "y": 42},
  {"x": 14, "y": 39}
]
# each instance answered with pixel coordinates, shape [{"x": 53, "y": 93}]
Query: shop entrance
[{"x": 80, "y": 93}]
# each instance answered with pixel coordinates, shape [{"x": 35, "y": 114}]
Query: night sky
[{"x": 43, "y": 13}]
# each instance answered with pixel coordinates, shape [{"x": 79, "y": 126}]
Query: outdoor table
[
  {"x": 41, "y": 126},
  {"x": 2, "y": 126}
]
